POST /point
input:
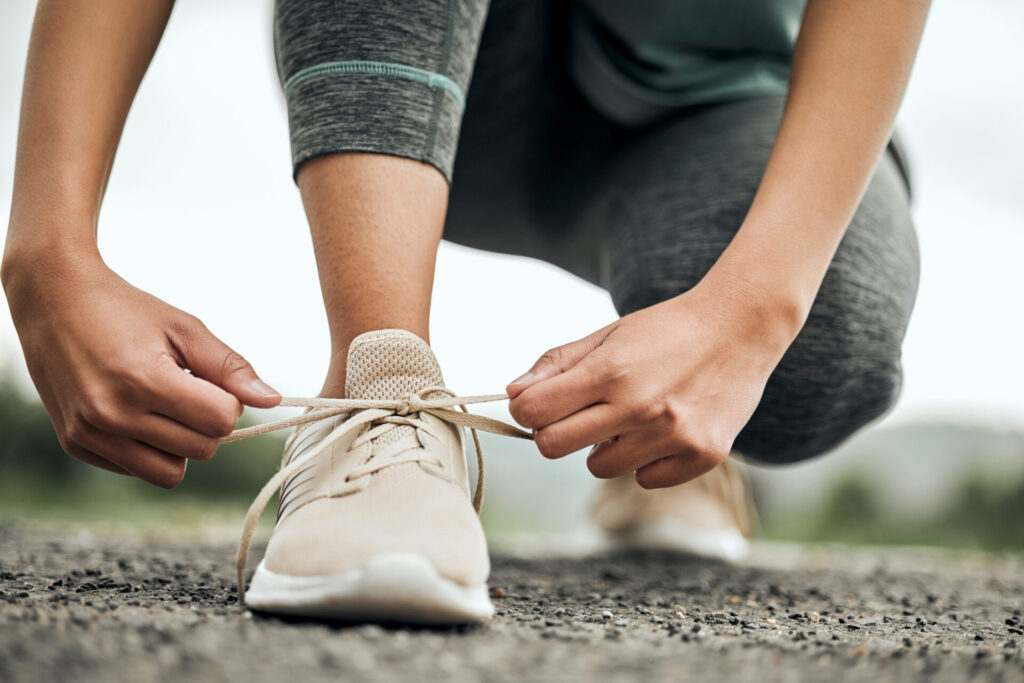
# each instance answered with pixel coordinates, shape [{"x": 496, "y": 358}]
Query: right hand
[{"x": 109, "y": 362}]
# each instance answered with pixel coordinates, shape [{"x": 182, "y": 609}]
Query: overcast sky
[{"x": 201, "y": 211}]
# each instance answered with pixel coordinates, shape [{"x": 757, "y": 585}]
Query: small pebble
[
  {"x": 606, "y": 615},
  {"x": 814, "y": 616}
]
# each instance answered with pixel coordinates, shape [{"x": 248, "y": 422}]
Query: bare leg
[{"x": 376, "y": 222}]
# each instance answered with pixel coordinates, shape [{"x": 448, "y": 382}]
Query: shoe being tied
[
  {"x": 376, "y": 521},
  {"x": 711, "y": 516}
]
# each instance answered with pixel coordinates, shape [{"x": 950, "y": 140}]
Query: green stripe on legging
[{"x": 428, "y": 78}]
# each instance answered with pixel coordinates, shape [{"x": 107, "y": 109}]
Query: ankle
[{"x": 334, "y": 383}]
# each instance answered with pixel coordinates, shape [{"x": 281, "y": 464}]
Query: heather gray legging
[{"x": 643, "y": 213}]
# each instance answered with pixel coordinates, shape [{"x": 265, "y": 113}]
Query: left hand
[{"x": 663, "y": 391}]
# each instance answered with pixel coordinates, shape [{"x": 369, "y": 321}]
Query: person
[{"x": 726, "y": 171}]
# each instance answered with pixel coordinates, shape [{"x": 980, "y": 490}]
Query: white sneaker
[
  {"x": 377, "y": 523},
  {"x": 711, "y": 516}
]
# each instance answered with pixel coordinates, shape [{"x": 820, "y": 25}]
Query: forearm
[
  {"x": 850, "y": 70},
  {"x": 85, "y": 63}
]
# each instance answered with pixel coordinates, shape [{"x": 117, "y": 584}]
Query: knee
[{"x": 826, "y": 389}]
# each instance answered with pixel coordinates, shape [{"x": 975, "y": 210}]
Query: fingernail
[
  {"x": 263, "y": 389},
  {"x": 523, "y": 379}
]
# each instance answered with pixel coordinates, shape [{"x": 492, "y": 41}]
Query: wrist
[
  {"x": 770, "y": 309},
  {"x": 30, "y": 268}
]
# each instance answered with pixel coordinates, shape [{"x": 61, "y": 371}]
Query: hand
[
  {"x": 109, "y": 362},
  {"x": 662, "y": 392}
]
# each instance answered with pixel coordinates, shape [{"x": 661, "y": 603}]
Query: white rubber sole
[
  {"x": 393, "y": 587},
  {"x": 728, "y": 545}
]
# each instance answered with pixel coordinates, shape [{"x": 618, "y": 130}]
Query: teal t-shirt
[{"x": 636, "y": 60}]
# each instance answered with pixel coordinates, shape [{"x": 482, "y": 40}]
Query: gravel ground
[{"x": 74, "y": 607}]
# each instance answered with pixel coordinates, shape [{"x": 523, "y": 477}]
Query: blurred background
[{"x": 202, "y": 212}]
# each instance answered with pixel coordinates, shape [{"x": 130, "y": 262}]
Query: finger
[
  {"x": 90, "y": 458},
  {"x": 77, "y": 452},
  {"x": 145, "y": 462},
  {"x": 627, "y": 453},
  {"x": 207, "y": 357},
  {"x": 556, "y": 398},
  {"x": 673, "y": 470},
  {"x": 557, "y": 360},
  {"x": 170, "y": 436},
  {"x": 589, "y": 426},
  {"x": 194, "y": 402}
]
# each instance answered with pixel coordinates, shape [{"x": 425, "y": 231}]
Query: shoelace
[
  {"x": 363, "y": 413},
  {"x": 733, "y": 488}
]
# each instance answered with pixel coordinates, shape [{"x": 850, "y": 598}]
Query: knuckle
[
  {"x": 616, "y": 368},
  {"x": 680, "y": 431},
  {"x": 187, "y": 324},
  {"x": 68, "y": 443},
  {"x": 553, "y": 356},
  {"x": 234, "y": 363},
  {"x": 645, "y": 410},
  {"x": 204, "y": 450},
  {"x": 187, "y": 329},
  {"x": 131, "y": 381},
  {"x": 224, "y": 422},
  {"x": 76, "y": 432},
  {"x": 101, "y": 413}
]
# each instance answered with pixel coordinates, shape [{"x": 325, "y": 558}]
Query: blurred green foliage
[
  {"x": 981, "y": 515},
  {"x": 987, "y": 517}
]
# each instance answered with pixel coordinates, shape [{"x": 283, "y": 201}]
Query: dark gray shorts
[{"x": 644, "y": 213}]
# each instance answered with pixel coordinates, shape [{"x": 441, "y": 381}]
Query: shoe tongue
[{"x": 390, "y": 364}]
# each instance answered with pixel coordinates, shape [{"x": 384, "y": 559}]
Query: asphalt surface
[{"x": 78, "y": 608}]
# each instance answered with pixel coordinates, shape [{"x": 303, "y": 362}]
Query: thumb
[
  {"x": 557, "y": 360},
  {"x": 208, "y": 358}
]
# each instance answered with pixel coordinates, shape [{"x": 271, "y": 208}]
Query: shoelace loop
[
  {"x": 410, "y": 404},
  {"x": 363, "y": 412}
]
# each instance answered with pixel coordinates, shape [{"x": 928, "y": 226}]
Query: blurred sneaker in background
[{"x": 712, "y": 515}]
